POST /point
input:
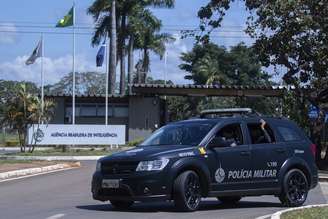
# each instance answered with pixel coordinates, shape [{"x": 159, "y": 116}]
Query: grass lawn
[
  {"x": 9, "y": 138},
  {"x": 59, "y": 152},
  {"x": 307, "y": 213}
]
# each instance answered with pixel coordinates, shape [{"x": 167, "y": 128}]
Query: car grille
[{"x": 118, "y": 168}]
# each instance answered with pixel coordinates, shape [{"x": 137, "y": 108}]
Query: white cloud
[
  {"x": 174, "y": 50},
  {"x": 8, "y": 33},
  {"x": 54, "y": 68}
]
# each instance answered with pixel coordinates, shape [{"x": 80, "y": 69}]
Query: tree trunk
[
  {"x": 122, "y": 58},
  {"x": 145, "y": 65},
  {"x": 113, "y": 52},
  {"x": 130, "y": 62},
  {"x": 317, "y": 128},
  {"x": 22, "y": 145}
]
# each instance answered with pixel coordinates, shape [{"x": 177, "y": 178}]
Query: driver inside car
[{"x": 227, "y": 136}]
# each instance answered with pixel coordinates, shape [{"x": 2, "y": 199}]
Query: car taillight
[{"x": 313, "y": 148}]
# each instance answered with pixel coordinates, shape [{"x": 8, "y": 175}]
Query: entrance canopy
[{"x": 209, "y": 90}]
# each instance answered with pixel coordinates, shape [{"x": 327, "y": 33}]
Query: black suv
[{"x": 224, "y": 154}]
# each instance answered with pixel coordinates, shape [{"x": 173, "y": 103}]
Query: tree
[
  {"x": 130, "y": 13},
  {"x": 87, "y": 83},
  {"x": 214, "y": 65},
  {"x": 113, "y": 46},
  {"x": 23, "y": 110},
  {"x": 292, "y": 34},
  {"x": 211, "y": 64}
]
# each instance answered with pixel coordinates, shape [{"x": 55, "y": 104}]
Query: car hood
[{"x": 148, "y": 152}]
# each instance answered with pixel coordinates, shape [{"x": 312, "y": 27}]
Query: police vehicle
[{"x": 228, "y": 154}]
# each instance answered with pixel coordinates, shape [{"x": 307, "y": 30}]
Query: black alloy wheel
[
  {"x": 187, "y": 191},
  {"x": 295, "y": 189}
]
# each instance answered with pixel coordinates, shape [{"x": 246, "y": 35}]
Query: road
[{"x": 67, "y": 195}]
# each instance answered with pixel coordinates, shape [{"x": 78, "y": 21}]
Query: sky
[{"x": 22, "y": 21}]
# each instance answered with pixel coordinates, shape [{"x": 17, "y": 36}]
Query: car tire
[
  {"x": 121, "y": 204},
  {"x": 295, "y": 189},
  {"x": 229, "y": 199},
  {"x": 187, "y": 191}
]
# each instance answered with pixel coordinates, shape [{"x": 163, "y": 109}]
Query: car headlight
[
  {"x": 98, "y": 166},
  {"x": 152, "y": 165}
]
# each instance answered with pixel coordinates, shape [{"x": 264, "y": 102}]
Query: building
[
  {"x": 141, "y": 115},
  {"x": 145, "y": 110}
]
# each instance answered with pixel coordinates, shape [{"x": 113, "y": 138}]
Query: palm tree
[
  {"x": 37, "y": 116},
  {"x": 102, "y": 12},
  {"x": 24, "y": 110}
]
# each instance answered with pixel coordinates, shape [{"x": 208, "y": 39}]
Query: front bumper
[{"x": 139, "y": 186}]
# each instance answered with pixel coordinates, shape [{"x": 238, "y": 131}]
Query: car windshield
[{"x": 191, "y": 133}]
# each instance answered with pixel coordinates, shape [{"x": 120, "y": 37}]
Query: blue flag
[{"x": 101, "y": 54}]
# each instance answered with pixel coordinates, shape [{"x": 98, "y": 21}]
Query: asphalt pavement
[{"x": 67, "y": 195}]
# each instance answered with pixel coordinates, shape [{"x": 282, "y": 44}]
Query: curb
[
  {"x": 37, "y": 170},
  {"x": 279, "y": 213},
  {"x": 323, "y": 177},
  {"x": 52, "y": 158}
]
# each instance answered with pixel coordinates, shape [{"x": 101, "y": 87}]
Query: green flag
[{"x": 67, "y": 20}]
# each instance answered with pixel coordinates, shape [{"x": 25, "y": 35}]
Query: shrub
[
  {"x": 12, "y": 143},
  {"x": 135, "y": 142}
]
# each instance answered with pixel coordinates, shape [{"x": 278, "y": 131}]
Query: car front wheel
[
  {"x": 121, "y": 204},
  {"x": 187, "y": 191},
  {"x": 295, "y": 189}
]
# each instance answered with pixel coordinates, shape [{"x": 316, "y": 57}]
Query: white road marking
[{"x": 56, "y": 216}]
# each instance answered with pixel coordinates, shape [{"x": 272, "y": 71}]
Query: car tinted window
[
  {"x": 259, "y": 136},
  {"x": 288, "y": 134},
  {"x": 232, "y": 134},
  {"x": 180, "y": 134}
]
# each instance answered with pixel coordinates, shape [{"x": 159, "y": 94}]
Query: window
[
  {"x": 101, "y": 111},
  {"x": 188, "y": 133},
  {"x": 88, "y": 110},
  {"x": 288, "y": 134},
  {"x": 231, "y": 134},
  {"x": 68, "y": 111},
  {"x": 259, "y": 136},
  {"x": 121, "y": 111}
]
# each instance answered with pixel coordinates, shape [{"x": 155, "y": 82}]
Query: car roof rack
[{"x": 229, "y": 112}]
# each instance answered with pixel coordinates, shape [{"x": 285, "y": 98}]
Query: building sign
[{"x": 76, "y": 134}]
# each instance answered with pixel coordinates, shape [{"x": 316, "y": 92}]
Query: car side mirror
[{"x": 217, "y": 142}]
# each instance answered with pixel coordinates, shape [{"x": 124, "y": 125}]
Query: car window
[
  {"x": 231, "y": 134},
  {"x": 180, "y": 134},
  {"x": 288, "y": 134},
  {"x": 259, "y": 136}
]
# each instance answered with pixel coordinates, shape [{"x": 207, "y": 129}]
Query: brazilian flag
[{"x": 67, "y": 20}]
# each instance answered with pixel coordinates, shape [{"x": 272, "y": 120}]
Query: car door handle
[
  {"x": 245, "y": 153},
  {"x": 280, "y": 150}
]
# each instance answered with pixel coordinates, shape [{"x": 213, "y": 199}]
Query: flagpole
[
  {"x": 73, "y": 95},
  {"x": 107, "y": 74},
  {"x": 42, "y": 75}
]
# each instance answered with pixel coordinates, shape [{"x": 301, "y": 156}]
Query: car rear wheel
[
  {"x": 187, "y": 191},
  {"x": 121, "y": 204},
  {"x": 295, "y": 189},
  {"x": 229, "y": 199}
]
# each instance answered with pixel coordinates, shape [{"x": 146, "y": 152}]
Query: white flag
[{"x": 37, "y": 52}]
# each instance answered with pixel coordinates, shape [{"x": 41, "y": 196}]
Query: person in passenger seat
[{"x": 265, "y": 132}]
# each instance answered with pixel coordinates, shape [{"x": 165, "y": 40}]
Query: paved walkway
[{"x": 324, "y": 189}]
